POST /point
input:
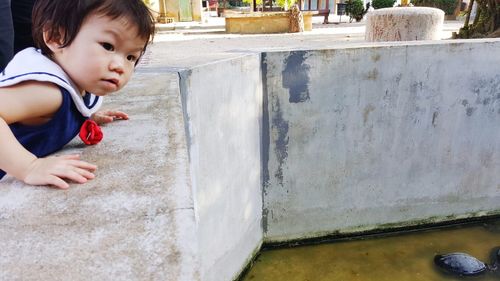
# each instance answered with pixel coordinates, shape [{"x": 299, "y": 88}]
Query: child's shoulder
[
  {"x": 30, "y": 64},
  {"x": 30, "y": 73}
]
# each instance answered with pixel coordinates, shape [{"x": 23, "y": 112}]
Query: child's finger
[
  {"x": 57, "y": 182},
  {"x": 108, "y": 119},
  {"x": 119, "y": 115},
  {"x": 123, "y": 115},
  {"x": 83, "y": 165},
  {"x": 85, "y": 173},
  {"x": 72, "y": 175}
]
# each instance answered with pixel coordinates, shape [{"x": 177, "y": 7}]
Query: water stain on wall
[
  {"x": 372, "y": 74},
  {"x": 487, "y": 92},
  {"x": 295, "y": 77},
  {"x": 366, "y": 112},
  {"x": 280, "y": 126}
]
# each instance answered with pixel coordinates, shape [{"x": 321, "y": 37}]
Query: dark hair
[{"x": 54, "y": 16}]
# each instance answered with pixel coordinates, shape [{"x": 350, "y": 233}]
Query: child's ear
[{"x": 53, "y": 40}]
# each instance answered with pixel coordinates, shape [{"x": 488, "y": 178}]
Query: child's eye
[
  {"x": 131, "y": 58},
  {"x": 108, "y": 47}
]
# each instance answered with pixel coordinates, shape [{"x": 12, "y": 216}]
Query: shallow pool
[{"x": 400, "y": 257}]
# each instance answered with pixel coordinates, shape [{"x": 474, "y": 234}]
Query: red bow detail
[{"x": 90, "y": 132}]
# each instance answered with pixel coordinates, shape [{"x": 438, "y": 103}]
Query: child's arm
[{"x": 35, "y": 102}]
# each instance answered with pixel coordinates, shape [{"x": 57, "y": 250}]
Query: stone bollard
[
  {"x": 404, "y": 24},
  {"x": 296, "y": 19}
]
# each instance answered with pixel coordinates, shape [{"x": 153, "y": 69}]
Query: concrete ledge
[{"x": 135, "y": 221}]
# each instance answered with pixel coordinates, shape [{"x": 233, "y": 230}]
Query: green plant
[
  {"x": 448, "y": 6},
  {"x": 280, "y": 3},
  {"x": 378, "y": 4},
  {"x": 250, "y": 2},
  {"x": 355, "y": 9},
  {"x": 286, "y": 4}
]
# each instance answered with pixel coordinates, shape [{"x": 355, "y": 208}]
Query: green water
[{"x": 402, "y": 257}]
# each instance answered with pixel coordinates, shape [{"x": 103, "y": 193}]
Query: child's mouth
[{"x": 114, "y": 82}]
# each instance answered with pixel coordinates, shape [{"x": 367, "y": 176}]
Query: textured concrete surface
[
  {"x": 402, "y": 135},
  {"x": 259, "y": 23},
  {"x": 135, "y": 221},
  {"x": 404, "y": 24},
  {"x": 189, "y": 46},
  {"x": 223, "y": 108}
]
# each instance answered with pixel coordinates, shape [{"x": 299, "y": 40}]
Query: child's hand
[
  {"x": 52, "y": 170},
  {"x": 107, "y": 116}
]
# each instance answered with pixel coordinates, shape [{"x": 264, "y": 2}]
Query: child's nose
[{"x": 117, "y": 64}]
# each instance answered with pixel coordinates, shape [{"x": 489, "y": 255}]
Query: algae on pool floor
[{"x": 402, "y": 257}]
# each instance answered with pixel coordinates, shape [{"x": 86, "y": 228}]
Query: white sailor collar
[{"x": 30, "y": 64}]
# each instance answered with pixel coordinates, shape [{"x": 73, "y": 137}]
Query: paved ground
[{"x": 192, "y": 43}]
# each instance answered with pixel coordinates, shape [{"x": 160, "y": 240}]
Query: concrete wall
[
  {"x": 222, "y": 104},
  {"x": 373, "y": 137},
  {"x": 178, "y": 191}
]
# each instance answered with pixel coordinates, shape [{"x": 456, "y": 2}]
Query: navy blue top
[{"x": 47, "y": 138}]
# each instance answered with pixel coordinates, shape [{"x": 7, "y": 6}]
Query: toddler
[{"x": 87, "y": 49}]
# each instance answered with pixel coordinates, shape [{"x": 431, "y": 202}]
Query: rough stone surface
[
  {"x": 135, "y": 221},
  {"x": 404, "y": 24}
]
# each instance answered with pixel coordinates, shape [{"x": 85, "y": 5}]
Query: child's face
[{"x": 102, "y": 57}]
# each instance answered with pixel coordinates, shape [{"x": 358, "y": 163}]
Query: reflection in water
[{"x": 402, "y": 257}]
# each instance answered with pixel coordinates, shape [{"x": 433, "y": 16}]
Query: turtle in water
[{"x": 466, "y": 265}]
